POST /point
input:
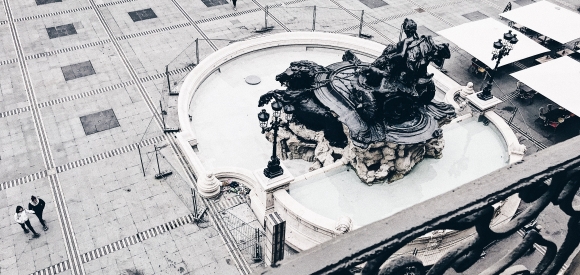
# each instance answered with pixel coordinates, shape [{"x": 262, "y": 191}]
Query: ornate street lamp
[
  {"x": 274, "y": 169},
  {"x": 502, "y": 48}
]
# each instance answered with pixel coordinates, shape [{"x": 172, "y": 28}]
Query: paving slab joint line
[
  {"x": 51, "y": 14},
  {"x": 54, "y": 269},
  {"x": 78, "y": 163},
  {"x": 139, "y": 237},
  {"x": 235, "y": 252},
  {"x": 63, "y": 218},
  {"x": 272, "y": 16}
]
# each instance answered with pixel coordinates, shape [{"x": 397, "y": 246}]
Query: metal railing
[
  {"x": 249, "y": 239},
  {"x": 551, "y": 176}
]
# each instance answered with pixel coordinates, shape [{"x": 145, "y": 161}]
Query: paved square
[
  {"x": 422, "y": 30},
  {"x": 59, "y": 31},
  {"x": 100, "y": 121},
  {"x": 78, "y": 70},
  {"x": 474, "y": 16},
  {"x": 142, "y": 15}
]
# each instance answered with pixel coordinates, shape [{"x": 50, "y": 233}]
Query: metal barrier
[{"x": 249, "y": 240}]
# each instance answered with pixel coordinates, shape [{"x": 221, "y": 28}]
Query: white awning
[
  {"x": 477, "y": 39},
  {"x": 548, "y": 19},
  {"x": 558, "y": 80}
]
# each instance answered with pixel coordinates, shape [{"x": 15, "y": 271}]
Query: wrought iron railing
[{"x": 551, "y": 176}]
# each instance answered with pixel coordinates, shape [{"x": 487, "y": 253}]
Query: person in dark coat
[
  {"x": 37, "y": 205},
  {"x": 21, "y": 217}
]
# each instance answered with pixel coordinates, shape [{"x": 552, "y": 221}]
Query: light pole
[
  {"x": 274, "y": 169},
  {"x": 501, "y": 48}
]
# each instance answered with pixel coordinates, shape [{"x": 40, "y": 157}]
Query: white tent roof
[
  {"x": 557, "y": 80},
  {"x": 477, "y": 39},
  {"x": 548, "y": 19}
]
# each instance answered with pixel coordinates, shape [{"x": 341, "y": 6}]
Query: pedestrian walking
[
  {"x": 36, "y": 204},
  {"x": 21, "y": 217},
  {"x": 234, "y": 2}
]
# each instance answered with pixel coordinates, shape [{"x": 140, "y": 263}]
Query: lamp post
[
  {"x": 274, "y": 169},
  {"x": 501, "y": 48}
]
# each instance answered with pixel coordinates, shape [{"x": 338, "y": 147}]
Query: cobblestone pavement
[{"x": 80, "y": 124}]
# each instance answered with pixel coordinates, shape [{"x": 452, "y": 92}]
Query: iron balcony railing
[{"x": 551, "y": 176}]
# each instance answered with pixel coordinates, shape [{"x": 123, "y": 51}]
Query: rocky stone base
[{"x": 379, "y": 162}]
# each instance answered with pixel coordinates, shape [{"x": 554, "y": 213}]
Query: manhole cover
[{"x": 253, "y": 80}]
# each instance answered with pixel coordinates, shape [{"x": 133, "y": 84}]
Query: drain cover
[{"x": 253, "y": 80}]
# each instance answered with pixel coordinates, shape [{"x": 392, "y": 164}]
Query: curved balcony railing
[{"x": 551, "y": 176}]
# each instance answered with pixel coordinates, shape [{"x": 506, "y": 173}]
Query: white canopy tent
[
  {"x": 558, "y": 80},
  {"x": 477, "y": 39},
  {"x": 548, "y": 19}
]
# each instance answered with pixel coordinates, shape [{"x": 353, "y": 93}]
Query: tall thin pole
[
  {"x": 167, "y": 74},
  {"x": 361, "y": 23},
  {"x": 197, "y": 50},
  {"x": 314, "y": 19},
  {"x": 266, "y": 18},
  {"x": 274, "y": 155},
  {"x": 194, "y": 203},
  {"x": 140, "y": 157},
  {"x": 162, "y": 116},
  {"x": 156, "y": 157}
]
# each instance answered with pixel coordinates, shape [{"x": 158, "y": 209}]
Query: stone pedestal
[
  {"x": 262, "y": 199},
  {"x": 479, "y": 107},
  {"x": 208, "y": 186},
  {"x": 275, "y": 238}
]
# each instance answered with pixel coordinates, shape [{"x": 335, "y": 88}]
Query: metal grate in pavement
[
  {"x": 474, "y": 16},
  {"x": 62, "y": 30},
  {"x": 373, "y": 3},
  {"x": 213, "y": 3},
  {"x": 78, "y": 70},
  {"x": 44, "y": 2},
  {"x": 141, "y": 15},
  {"x": 100, "y": 121}
]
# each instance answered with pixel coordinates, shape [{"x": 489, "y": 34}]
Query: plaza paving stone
[
  {"x": 35, "y": 38},
  {"x": 94, "y": 190}
]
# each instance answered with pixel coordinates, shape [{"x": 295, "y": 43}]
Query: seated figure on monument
[{"x": 361, "y": 107}]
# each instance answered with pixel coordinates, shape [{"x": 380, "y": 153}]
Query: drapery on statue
[{"x": 389, "y": 100}]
